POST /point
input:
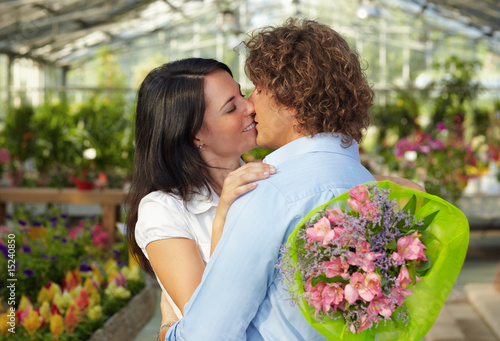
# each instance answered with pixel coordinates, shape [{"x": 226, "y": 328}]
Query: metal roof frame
[{"x": 59, "y": 32}]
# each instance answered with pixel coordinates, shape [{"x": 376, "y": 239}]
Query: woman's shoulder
[{"x": 162, "y": 198}]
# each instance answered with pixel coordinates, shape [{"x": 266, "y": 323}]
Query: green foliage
[
  {"x": 257, "y": 153},
  {"x": 18, "y": 132},
  {"x": 55, "y": 135},
  {"x": 457, "y": 88}
]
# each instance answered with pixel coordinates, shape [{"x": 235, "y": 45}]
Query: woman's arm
[
  {"x": 168, "y": 317},
  {"x": 400, "y": 181},
  {"x": 179, "y": 266},
  {"x": 237, "y": 183}
]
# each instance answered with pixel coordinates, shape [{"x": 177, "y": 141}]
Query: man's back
[{"x": 241, "y": 295}]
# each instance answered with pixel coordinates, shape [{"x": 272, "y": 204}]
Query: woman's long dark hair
[{"x": 170, "y": 109}]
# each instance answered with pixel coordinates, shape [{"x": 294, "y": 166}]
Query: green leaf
[
  {"x": 411, "y": 205},
  {"x": 391, "y": 245},
  {"x": 413, "y": 273},
  {"x": 427, "y": 221},
  {"x": 424, "y": 266},
  {"x": 324, "y": 278}
]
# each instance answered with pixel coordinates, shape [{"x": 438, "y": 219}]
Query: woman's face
[{"x": 228, "y": 126}]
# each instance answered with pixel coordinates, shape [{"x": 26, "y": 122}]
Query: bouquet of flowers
[{"x": 376, "y": 262}]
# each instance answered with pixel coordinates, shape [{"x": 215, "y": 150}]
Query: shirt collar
[
  {"x": 324, "y": 142},
  {"x": 201, "y": 203}
]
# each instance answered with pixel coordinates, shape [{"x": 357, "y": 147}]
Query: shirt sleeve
[
  {"x": 160, "y": 218},
  {"x": 240, "y": 271}
]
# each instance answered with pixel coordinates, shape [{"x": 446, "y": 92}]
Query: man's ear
[{"x": 293, "y": 112}]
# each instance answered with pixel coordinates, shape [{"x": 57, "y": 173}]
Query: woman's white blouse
[{"x": 163, "y": 216}]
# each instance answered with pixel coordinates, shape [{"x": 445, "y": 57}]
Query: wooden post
[{"x": 496, "y": 279}]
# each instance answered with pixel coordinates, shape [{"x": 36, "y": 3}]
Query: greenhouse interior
[{"x": 70, "y": 72}]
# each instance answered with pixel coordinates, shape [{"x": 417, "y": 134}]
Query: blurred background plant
[
  {"x": 439, "y": 137},
  {"x": 70, "y": 278}
]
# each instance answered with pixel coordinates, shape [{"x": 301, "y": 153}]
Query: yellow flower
[
  {"x": 110, "y": 266},
  {"x": 33, "y": 322},
  {"x": 24, "y": 303},
  {"x": 56, "y": 325},
  {"x": 132, "y": 273},
  {"x": 63, "y": 300},
  {"x": 43, "y": 295},
  {"x": 5, "y": 325},
  {"x": 45, "y": 311},
  {"x": 95, "y": 312},
  {"x": 95, "y": 298},
  {"x": 117, "y": 291},
  {"x": 96, "y": 275}
]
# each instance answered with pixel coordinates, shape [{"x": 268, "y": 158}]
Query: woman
[{"x": 192, "y": 126}]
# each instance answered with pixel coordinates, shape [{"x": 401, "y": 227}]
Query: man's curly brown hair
[{"x": 311, "y": 68}]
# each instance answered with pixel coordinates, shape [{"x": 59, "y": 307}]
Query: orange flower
[
  {"x": 37, "y": 232},
  {"x": 28, "y": 136},
  {"x": 71, "y": 280},
  {"x": 72, "y": 318},
  {"x": 83, "y": 299}
]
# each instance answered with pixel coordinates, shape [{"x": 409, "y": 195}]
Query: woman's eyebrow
[{"x": 229, "y": 100}]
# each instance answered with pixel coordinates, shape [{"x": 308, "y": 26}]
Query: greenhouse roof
[{"x": 61, "y": 31}]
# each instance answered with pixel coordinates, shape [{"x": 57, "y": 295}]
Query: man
[{"x": 311, "y": 102}]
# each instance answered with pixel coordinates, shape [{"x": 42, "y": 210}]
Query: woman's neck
[{"x": 219, "y": 170}]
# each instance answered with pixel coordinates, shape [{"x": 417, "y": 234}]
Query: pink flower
[
  {"x": 363, "y": 257},
  {"x": 364, "y": 323},
  {"x": 332, "y": 294},
  {"x": 313, "y": 295},
  {"x": 319, "y": 230},
  {"x": 409, "y": 248},
  {"x": 351, "y": 289},
  {"x": 99, "y": 236},
  {"x": 371, "y": 287},
  {"x": 74, "y": 232},
  {"x": 4, "y": 156},
  {"x": 369, "y": 209},
  {"x": 337, "y": 266},
  {"x": 381, "y": 306},
  {"x": 335, "y": 215},
  {"x": 403, "y": 282},
  {"x": 359, "y": 193},
  {"x": 367, "y": 287}
]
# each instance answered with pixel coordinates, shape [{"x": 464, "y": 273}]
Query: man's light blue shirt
[{"x": 241, "y": 296}]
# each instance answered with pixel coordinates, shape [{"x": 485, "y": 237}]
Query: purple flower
[
  {"x": 5, "y": 251},
  {"x": 64, "y": 240},
  {"x": 26, "y": 249},
  {"x": 44, "y": 256},
  {"x": 64, "y": 216},
  {"x": 37, "y": 224},
  {"x": 117, "y": 253},
  {"x": 21, "y": 222},
  {"x": 29, "y": 272},
  {"x": 85, "y": 267},
  {"x": 53, "y": 258},
  {"x": 53, "y": 221}
]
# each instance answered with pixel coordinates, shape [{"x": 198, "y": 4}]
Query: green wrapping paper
[{"x": 447, "y": 251}]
